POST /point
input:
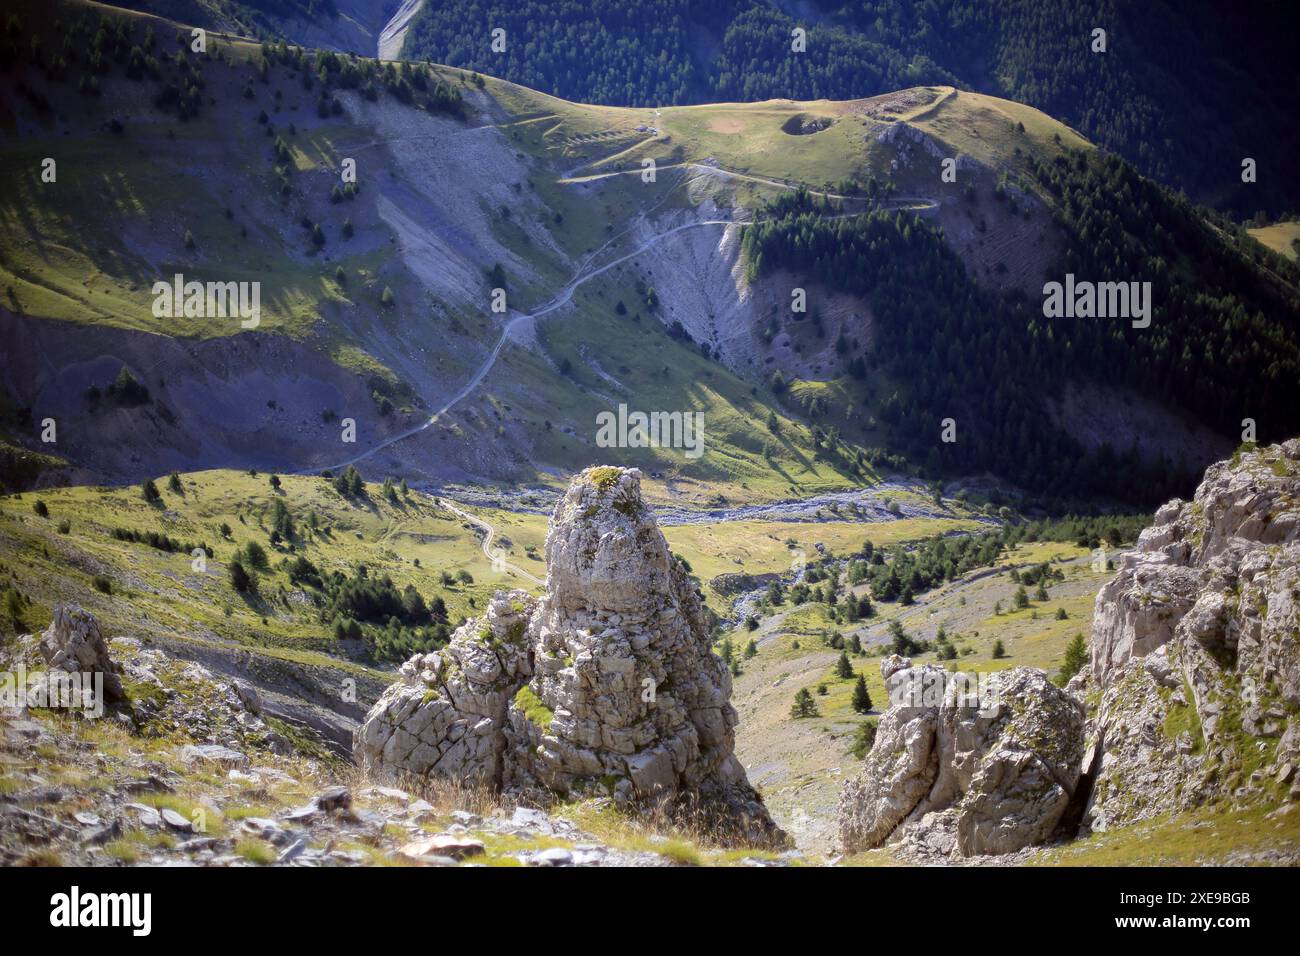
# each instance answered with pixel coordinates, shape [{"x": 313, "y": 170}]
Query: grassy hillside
[
  {"x": 91, "y": 546},
  {"x": 1226, "y": 69},
  {"x": 227, "y": 166},
  {"x": 1281, "y": 237}
]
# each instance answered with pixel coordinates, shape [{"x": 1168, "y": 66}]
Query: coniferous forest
[{"x": 1223, "y": 339}]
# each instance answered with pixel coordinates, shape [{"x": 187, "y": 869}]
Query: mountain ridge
[{"x": 717, "y": 168}]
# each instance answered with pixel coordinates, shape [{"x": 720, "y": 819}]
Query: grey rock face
[
  {"x": 446, "y": 714},
  {"x": 606, "y": 686},
  {"x": 1196, "y": 646},
  {"x": 965, "y": 768},
  {"x": 1193, "y": 692},
  {"x": 73, "y": 643}
]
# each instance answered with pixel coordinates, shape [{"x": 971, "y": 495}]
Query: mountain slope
[
  {"x": 621, "y": 287},
  {"x": 1219, "y": 85}
]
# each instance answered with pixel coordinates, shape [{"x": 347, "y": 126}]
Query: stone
[
  {"x": 388, "y": 793},
  {"x": 214, "y": 755},
  {"x": 248, "y": 697},
  {"x": 531, "y": 819},
  {"x": 291, "y": 852},
  {"x": 606, "y": 686},
  {"x": 555, "y": 856},
  {"x": 964, "y": 768},
  {"x": 303, "y": 814},
  {"x": 74, "y": 644},
  {"x": 176, "y": 821},
  {"x": 148, "y": 817},
  {"x": 99, "y": 835},
  {"x": 266, "y": 829},
  {"x": 332, "y": 799},
  {"x": 450, "y": 845}
]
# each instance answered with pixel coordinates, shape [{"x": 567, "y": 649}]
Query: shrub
[
  {"x": 240, "y": 579},
  {"x": 864, "y": 738},
  {"x": 1076, "y": 656},
  {"x": 804, "y": 705}
]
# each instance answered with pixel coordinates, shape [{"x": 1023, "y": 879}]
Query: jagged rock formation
[
  {"x": 1195, "y": 670},
  {"x": 606, "y": 686},
  {"x": 1192, "y": 694},
  {"x": 74, "y": 644},
  {"x": 965, "y": 767},
  {"x": 446, "y": 714}
]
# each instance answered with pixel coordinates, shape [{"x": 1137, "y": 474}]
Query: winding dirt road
[{"x": 583, "y": 276}]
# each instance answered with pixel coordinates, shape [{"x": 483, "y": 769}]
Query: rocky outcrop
[
  {"x": 965, "y": 766},
  {"x": 1195, "y": 670},
  {"x": 446, "y": 714},
  {"x": 1192, "y": 694},
  {"x": 605, "y": 687},
  {"x": 74, "y": 644}
]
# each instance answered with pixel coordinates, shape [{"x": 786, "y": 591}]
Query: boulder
[
  {"x": 446, "y": 714},
  {"x": 966, "y": 767},
  {"x": 74, "y": 643}
]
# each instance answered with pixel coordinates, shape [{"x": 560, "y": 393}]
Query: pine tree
[
  {"x": 240, "y": 579},
  {"x": 1076, "y": 655},
  {"x": 861, "y": 697},
  {"x": 843, "y": 669},
  {"x": 804, "y": 705},
  {"x": 999, "y": 649}
]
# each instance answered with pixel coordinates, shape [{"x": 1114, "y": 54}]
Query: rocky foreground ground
[{"x": 187, "y": 770}]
